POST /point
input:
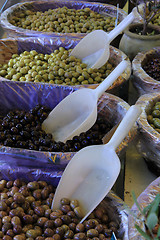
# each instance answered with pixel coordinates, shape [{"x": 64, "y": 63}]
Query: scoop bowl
[
  {"x": 92, "y": 171},
  {"x": 93, "y": 49},
  {"x": 78, "y": 111}
]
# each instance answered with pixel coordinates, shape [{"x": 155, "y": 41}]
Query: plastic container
[{"x": 142, "y": 82}]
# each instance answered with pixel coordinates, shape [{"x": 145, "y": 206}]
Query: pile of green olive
[
  {"x": 154, "y": 117},
  {"x": 57, "y": 68},
  {"x": 62, "y": 20}
]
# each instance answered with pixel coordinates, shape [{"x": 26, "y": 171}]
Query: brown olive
[
  {"x": 30, "y": 199},
  {"x": 37, "y": 194},
  {"x": 58, "y": 222},
  {"x": 55, "y": 215},
  {"x": 39, "y": 211},
  {"x": 24, "y": 191},
  {"x": 42, "y": 184},
  {"x": 45, "y": 193},
  {"x": 78, "y": 212},
  {"x": 17, "y": 229},
  {"x": 19, "y": 237},
  {"x": 33, "y": 185},
  {"x": 80, "y": 227},
  {"x": 32, "y": 233},
  {"x": 6, "y": 219},
  {"x": 17, "y": 183},
  {"x": 10, "y": 233},
  {"x": 49, "y": 224},
  {"x": 3, "y": 206},
  {"x": 65, "y": 201},
  {"x": 47, "y": 213},
  {"x": 40, "y": 238},
  {"x": 107, "y": 232},
  {"x": 6, "y": 227},
  {"x": 74, "y": 204},
  {"x": 27, "y": 227},
  {"x": 3, "y": 214},
  {"x": 7, "y": 237},
  {"x": 66, "y": 219},
  {"x": 69, "y": 234},
  {"x": 99, "y": 228},
  {"x": 81, "y": 236},
  {"x": 4, "y": 196},
  {"x": 65, "y": 208},
  {"x": 16, "y": 221},
  {"x": 41, "y": 221},
  {"x": 27, "y": 219},
  {"x": 92, "y": 233},
  {"x": 48, "y": 232},
  {"x": 9, "y": 184},
  {"x": 35, "y": 204}
]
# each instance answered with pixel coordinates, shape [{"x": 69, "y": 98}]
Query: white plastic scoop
[
  {"x": 93, "y": 170},
  {"x": 78, "y": 111},
  {"x": 93, "y": 49}
]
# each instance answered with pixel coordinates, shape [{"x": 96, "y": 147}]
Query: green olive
[{"x": 156, "y": 122}]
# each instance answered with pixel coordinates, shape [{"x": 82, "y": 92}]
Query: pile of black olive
[
  {"x": 152, "y": 68},
  {"x": 25, "y": 213},
  {"x": 22, "y": 129}
]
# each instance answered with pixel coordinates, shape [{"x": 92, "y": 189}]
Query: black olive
[{"x": 14, "y": 130}]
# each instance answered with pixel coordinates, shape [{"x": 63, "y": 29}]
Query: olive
[
  {"x": 18, "y": 198},
  {"x": 3, "y": 206},
  {"x": 156, "y": 113},
  {"x": 32, "y": 233},
  {"x": 156, "y": 122},
  {"x": 16, "y": 221},
  {"x": 33, "y": 185},
  {"x": 78, "y": 211}
]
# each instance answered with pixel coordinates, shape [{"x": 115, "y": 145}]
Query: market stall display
[{"x": 148, "y": 140}]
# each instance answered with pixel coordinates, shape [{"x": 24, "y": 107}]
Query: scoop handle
[
  {"x": 121, "y": 26},
  {"x": 3, "y": 6},
  {"x": 125, "y": 125},
  {"x": 107, "y": 82}
]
